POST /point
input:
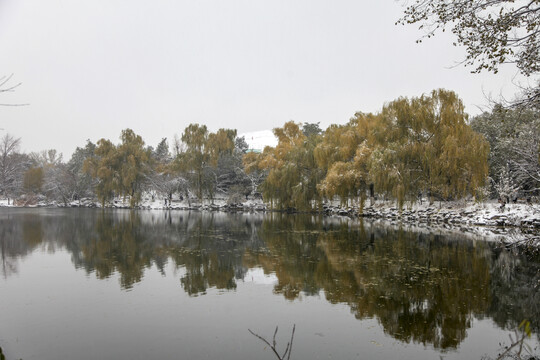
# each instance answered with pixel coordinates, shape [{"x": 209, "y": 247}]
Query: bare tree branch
[
  {"x": 493, "y": 32},
  {"x": 288, "y": 348},
  {"x": 5, "y": 87}
]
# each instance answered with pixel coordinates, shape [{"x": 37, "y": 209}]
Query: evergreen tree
[
  {"x": 81, "y": 181},
  {"x": 162, "y": 154}
]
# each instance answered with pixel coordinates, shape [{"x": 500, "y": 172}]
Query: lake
[{"x": 115, "y": 284}]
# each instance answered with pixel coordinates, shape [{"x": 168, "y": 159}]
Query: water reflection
[{"x": 421, "y": 286}]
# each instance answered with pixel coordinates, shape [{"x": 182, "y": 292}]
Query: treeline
[
  {"x": 412, "y": 148},
  {"x": 416, "y": 148},
  {"x": 200, "y": 165}
]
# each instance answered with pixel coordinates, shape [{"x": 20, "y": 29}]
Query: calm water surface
[{"x": 92, "y": 284}]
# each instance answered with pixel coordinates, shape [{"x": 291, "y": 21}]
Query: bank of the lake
[{"x": 511, "y": 223}]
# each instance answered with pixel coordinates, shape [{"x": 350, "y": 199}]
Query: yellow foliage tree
[
  {"x": 292, "y": 172},
  {"x": 119, "y": 170},
  {"x": 200, "y": 158},
  {"x": 344, "y": 155},
  {"x": 428, "y": 147}
]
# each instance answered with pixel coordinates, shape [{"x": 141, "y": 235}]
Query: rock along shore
[{"x": 487, "y": 218}]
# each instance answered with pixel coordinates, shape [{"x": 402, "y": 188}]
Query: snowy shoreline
[{"x": 511, "y": 224}]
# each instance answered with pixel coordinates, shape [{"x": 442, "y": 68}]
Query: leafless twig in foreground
[
  {"x": 6, "y": 87},
  {"x": 288, "y": 349}
]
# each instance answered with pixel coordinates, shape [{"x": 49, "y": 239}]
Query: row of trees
[
  {"x": 422, "y": 147},
  {"x": 416, "y": 146},
  {"x": 33, "y": 173},
  {"x": 413, "y": 147},
  {"x": 201, "y": 165}
]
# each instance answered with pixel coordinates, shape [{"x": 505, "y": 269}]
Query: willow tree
[
  {"x": 282, "y": 173},
  {"x": 292, "y": 172},
  {"x": 201, "y": 156},
  {"x": 339, "y": 143},
  {"x": 134, "y": 158},
  {"x": 305, "y": 194},
  {"x": 343, "y": 155},
  {"x": 120, "y": 169},
  {"x": 428, "y": 147},
  {"x": 220, "y": 143},
  {"x": 103, "y": 167},
  {"x": 195, "y": 157}
]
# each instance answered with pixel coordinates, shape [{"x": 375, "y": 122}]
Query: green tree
[
  {"x": 162, "y": 154},
  {"x": 310, "y": 129},
  {"x": 81, "y": 182}
]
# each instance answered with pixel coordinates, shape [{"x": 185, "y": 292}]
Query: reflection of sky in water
[
  {"x": 157, "y": 284},
  {"x": 257, "y": 276}
]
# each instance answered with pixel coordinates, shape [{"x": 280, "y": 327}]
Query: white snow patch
[
  {"x": 4, "y": 203},
  {"x": 258, "y": 140}
]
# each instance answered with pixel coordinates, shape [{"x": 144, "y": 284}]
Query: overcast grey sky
[{"x": 91, "y": 68}]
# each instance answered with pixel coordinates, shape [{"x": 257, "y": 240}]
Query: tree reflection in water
[{"x": 421, "y": 286}]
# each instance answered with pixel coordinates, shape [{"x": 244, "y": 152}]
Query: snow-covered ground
[
  {"x": 488, "y": 213},
  {"x": 511, "y": 223},
  {"x": 258, "y": 140},
  {"x": 4, "y": 203}
]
